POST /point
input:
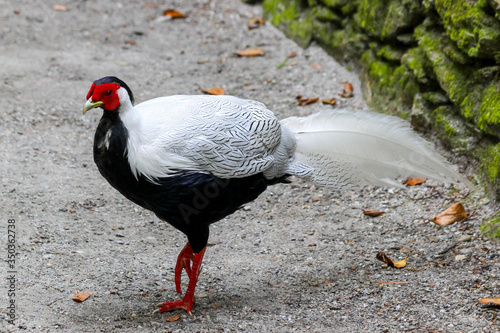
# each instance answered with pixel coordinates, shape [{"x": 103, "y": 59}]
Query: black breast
[{"x": 188, "y": 201}]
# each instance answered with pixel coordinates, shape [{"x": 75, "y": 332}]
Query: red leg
[{"x": 184, "y": 261}]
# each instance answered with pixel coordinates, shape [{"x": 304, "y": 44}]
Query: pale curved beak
[{"x": 90, "y": 105}]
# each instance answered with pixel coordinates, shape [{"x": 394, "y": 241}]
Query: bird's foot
[{"x": 181, "y": 304}]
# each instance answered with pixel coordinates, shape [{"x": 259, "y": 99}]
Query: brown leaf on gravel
[
  {"x": 348, "y": 90},
  {"x": 414, "y": 181},
  {"x": 372, "y": 213},
  {"x": 213, "y": 91},
  {"x": 331, "y": 101},
  {"x": 60, "y": 8},
  {"x": 250, "y": 53},
  {"x": 255, "y": 22},
  {"x": 149, "y": 5},
  {"x": 400, "y": 263},
  {"x": 80, "y": 297},
  {"x": 173, "y": 318},
  {"x": 315, "y": 65},
  {"x": 455, "y": 213},
  {"x": 173, "y": 14},
  {"x": 396, "y": 264},
  {"x": 495, "y": 301},
  {"x": 305, "y": 101}
]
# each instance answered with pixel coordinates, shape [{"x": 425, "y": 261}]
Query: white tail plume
[{"x": 358, "y": 148}]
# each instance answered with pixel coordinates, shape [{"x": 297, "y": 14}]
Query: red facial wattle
[{"x": 105, "y": 93}]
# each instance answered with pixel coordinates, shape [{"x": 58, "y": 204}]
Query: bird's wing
[{"x": 222, "y": 135}]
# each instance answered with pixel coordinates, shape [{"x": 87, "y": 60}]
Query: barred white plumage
[{"x": 222, "y": 135}]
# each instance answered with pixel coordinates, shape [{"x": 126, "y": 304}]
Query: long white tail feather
[{"x": 343, "y": 148}]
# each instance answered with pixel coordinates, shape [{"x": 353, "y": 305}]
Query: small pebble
[{"x": 465, "y": 238}]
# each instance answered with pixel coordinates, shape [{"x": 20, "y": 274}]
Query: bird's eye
[{"x": 109, "y": 92}]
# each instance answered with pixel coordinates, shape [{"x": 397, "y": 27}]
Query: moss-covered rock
[
  {"x": 491, "y": 227},
  {"x": 342, "y": 40},
  {"x": 491, "y": 162},
  {"x": 470, "y": 27},
  {"x": 386, "y": 19},
  {"x": 292, "y": 17},
  {"x": 390, "y": 88}
]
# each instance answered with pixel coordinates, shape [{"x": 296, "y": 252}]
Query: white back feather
[{"x": 222, "y": 135}]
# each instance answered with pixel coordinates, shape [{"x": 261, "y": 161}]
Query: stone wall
[{"x": 434, "y": 62}]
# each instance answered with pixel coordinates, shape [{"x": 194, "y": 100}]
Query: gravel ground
[{"x": 300, "y": 258}]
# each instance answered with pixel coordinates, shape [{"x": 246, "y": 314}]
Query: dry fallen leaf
[
  {"x": 331, "y": 101},
  {"x": 173, "y": 14},
  {"x": 213, "y": 91},
  {"x": 347, "y": 93},
  {"x": 173, "y": 318},
  {"x": 315, "y": 65},
  {"x": 60, "y": 8},
  {"x": 305, "y": 101},
  {"x": 250, "y": 53},
  {"x": 255, "y": 22},
  {"x": 372, "y": 213},
  {"x": 397, "y": 264},
  {"x": 80, "y": 297},
  {"x": 149, "y": 5},
  {"x": 400, "y": 263},
  {"x": 292, "y": 55},
  {"x": 455, "y": 213},
  {"x": 414, "y": 181},
  {"x": 485, "y": 300}
]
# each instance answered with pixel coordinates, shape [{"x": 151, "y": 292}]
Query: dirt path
[{"x": 299, "y": 258}]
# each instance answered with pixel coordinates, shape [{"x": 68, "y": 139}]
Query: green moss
[
  {"x": 387, "y": 19},
  {"x": 416, "y": 60},
  {"x": 491, "y": 163},
  {"x": 392, "y": 87},
  {"x": 344, "y": 7},
  {"x": 473, "y": 30},
  {"x": 342, "y": 43},
  {"x": 292, "y": 18},
  {"x": 323, "y": 14},
  {"x": 436, "y": 97},
  {"x": 391, "y": 53},
  {"x": 489, "y": 109},
  {"x": 491, "y": 227},
  {"x": 452, "y": 77},
  {"x": 371, "y": 15}
]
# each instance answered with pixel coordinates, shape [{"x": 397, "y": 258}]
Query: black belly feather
[{"x": 188, "y": 201}]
